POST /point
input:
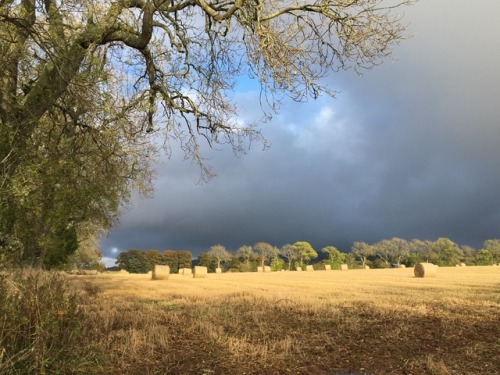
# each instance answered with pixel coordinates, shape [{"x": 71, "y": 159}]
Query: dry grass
[{"x": 376, "y": 322}]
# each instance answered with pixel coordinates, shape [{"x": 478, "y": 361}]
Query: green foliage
[
  {"x": 305, "y": 252},
  {"x": 59, "y": 246},
  {"x": 220, "y": 253},
  {"x": 277, "y": 264},
  {"x": 88, "y": 255},
  {"x": 291, "y": 254},
  {"x": 265, "y": 252},
  {"x": 40, "y": 330},
  {"x": 392, "y": 251},
  {"x": 335, "y": 257},
  {"x": 207, "y": 260},
  {"x": 448, "y": 253},
  {"x": 246, "y": 257},
  {"x": 154, "y": 257},
  {"x": 177, "y": 259},
  {"x": 484, "y": 258},
  {"x": 133, "y": 261},
  {"x": 493, "y": 246},
  {"x": 379, "y": 263},
  {"x": 362, "y": 251},
  {"x": 11, "y": 251}
]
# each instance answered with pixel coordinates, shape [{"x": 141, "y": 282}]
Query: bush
[
  {"x": 379, "y": 263},
  {"x": 11, "y": 251},
  {"x": 40, "y": 326}
]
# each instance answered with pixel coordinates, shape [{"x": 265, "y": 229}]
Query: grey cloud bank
[{"x": 411, "y": 150}]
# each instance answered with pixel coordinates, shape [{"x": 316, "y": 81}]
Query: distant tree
[
  {"x": 350, "y": 260},
  {"x": 290, "y": 253},
  {"x": 133, "y": 261},
  {"x": 449, "y": 254},
  {"x": 177, "y": 259},
  {"x": 305, "y": 252},
  {"x": 400, "y": 250},
  {"x": 392, "y": 251},
  {"x": 493, "y": 246},
  {"x": 421, "y": 251},
  {"x": 245, "y": 253},
  {"x": 235, "y": 265},
  {"x": 184, "y": 259},
  {"x": 220, "y": 254},
  {"x": 170, "y": 258},
  {"x": 362, "y": 251},
  {"x": 207, "y": 260},
  {"x": 469, "y": 254},
  {"x": 484, "y": 258},
  {"x": 277, "y": 264},
  {"x": 264, "y": 252},
  {"x": 154, "y": 257},
  {"x": 382, "y": 250},
  {"x": 335, "y": 257}
]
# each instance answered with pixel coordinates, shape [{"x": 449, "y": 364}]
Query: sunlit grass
[{"x": 373, "y": 321}]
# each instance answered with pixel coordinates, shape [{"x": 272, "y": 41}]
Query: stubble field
[{"x": 321, "y": 322}]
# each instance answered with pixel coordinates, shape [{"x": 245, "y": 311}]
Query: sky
[{"x": 411, "y": 149}]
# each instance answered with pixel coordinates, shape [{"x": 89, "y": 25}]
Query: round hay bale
[
  {"x": 328, "y": 267},
  {"x": 402, "y": 266},
  {"x": 298, "y": 268},
  {"x": 425, "y": 270},
  {"x": 309, "y": 268},
  {"x": 463, "y": 265},
  {"x": 344, "y": 267},
  {"x": 160, "y": 272},
  {"x": 367, "y": 267},
  {"x": 267, "y": 268},
  {"x": 200, "y": 272}
]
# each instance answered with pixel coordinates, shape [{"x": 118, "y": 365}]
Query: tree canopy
[
  {"x": 86, "y": 86},
  {"x": 219, "y": 253}
]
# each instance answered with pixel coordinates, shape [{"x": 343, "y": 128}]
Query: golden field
[{"x": 322, "y": 322}]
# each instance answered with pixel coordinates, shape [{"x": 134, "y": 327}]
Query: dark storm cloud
[{"x": 408, "y": 150}]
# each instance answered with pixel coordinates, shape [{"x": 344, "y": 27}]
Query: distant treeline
[
  {"x": 393, "y": 252},
  {"x": 142, "y": 261}
]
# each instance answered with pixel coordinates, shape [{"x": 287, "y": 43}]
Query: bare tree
[{"x": 175, "y": 61}]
